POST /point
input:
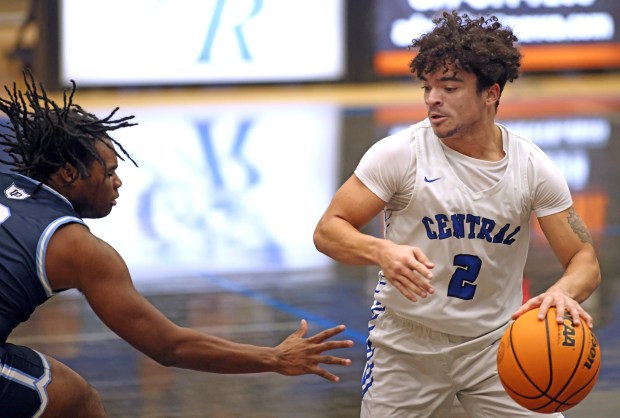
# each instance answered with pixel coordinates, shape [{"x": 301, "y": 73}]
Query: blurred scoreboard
[
  {"x": 554, "y": 35},
  {"x": 162, "y": 42}
]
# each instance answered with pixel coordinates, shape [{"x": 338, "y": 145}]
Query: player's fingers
[
  {"x": 334, "y": 360},
  {"x": 575, "y": 314},
  {"x": 303, "y": 328},
  {"x": 325, "y": 374},
  {"x": 405, "y": 290},
  {"x": 585, "y": 316},
  {"x": 528, "y": 306},
  {"x": 333, "y": 345},
  {"x": 329, "y": 360},
  {"x": 328, "y": 333},
  {"x": 419, "y": 283},
  {"x": 560, "y": 310},
  {"x": 420, "y": 269},
  {"x": 422, "y": 258},
  {"x": 545, "y": 304},
  {"x": 579, "y": 315},
  {"x": 410, "y": 278}
]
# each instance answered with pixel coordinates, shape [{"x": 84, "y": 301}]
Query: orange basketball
[{"x": 545, "y": 366}]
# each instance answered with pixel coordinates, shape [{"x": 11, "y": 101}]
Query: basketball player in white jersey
[{"x": 457, "y": 191}]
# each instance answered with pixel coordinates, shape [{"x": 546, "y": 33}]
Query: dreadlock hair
[
  {"x": 43, "y": 136},
  {"x": 481, "y": 46}
]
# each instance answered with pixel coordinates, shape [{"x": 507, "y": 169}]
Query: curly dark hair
[
  {"x": 481, "y": 46},
  {"x": 42, "y": 137}
]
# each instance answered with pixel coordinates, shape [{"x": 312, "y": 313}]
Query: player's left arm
[{"x": 572, "y": 244}]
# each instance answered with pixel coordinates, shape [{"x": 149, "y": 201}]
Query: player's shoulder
[
  {"x": 391, "y": 154},
  {"x": 17, "y": 186},
  {"x": 398, "y": 147},
  {"x": 421, "y": 129},
  {"x": 7, "y": 178},
  {"x": 515, "y": 136},
  {"x": 406, "y": 136},
  {"x": 74, "y": 244},
  {"x": 524, "y": 144}
]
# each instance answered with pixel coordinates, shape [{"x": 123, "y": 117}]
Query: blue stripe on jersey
[
  {"x": 38, "y": 384},
  {"x": 367, "y": 378},
  {"x": 41, "y": 385},
  {"x": 42, "y": 248}
]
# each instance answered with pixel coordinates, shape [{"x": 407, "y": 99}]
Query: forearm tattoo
[{"x": 579, "y": 227}]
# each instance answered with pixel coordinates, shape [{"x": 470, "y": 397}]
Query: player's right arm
[
  {"x": 77, "y": 259},
  {"x": 572, "y": 244},
  {"x": 338, "y": 235}
]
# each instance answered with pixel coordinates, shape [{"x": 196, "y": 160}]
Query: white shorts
[{"x": 415, "y": 372}]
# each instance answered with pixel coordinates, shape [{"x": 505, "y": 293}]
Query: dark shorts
[{"x": 24, "y": 376}]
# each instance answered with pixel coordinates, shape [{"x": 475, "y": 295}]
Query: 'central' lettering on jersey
[{"x": 469, "y": 226}]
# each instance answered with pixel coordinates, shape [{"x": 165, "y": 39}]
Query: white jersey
[{"x": 477, "y": 236}]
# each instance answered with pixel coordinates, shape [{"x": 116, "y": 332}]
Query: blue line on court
[{"x": 230, "y": 285}]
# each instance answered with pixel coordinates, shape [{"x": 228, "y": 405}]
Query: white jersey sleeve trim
[{"x": 42, "y": 249}]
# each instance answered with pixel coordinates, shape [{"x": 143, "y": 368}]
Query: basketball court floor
[{"x": 216, "y": 226}]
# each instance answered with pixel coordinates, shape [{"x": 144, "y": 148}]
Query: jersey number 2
[
  {"x": 5, "y": 212},
  {"x": 462, "y": 281}
]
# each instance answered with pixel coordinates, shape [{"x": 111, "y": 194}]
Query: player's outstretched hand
[{"x": 298, "y": 355}]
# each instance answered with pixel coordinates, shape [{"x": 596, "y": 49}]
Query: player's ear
[
  {"x": 492, "y": 94},
  {"x": 68, "y": 173}
]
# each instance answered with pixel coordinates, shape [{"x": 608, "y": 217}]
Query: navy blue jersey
[{"x": 30, "y": 213}]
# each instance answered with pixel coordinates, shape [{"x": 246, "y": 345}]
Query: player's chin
[
  {"x": 443, "y": 132},
  {"x": 98, "y": 213}
]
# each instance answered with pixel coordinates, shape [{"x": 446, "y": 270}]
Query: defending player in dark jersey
[{"x": 64, "y": 163}]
